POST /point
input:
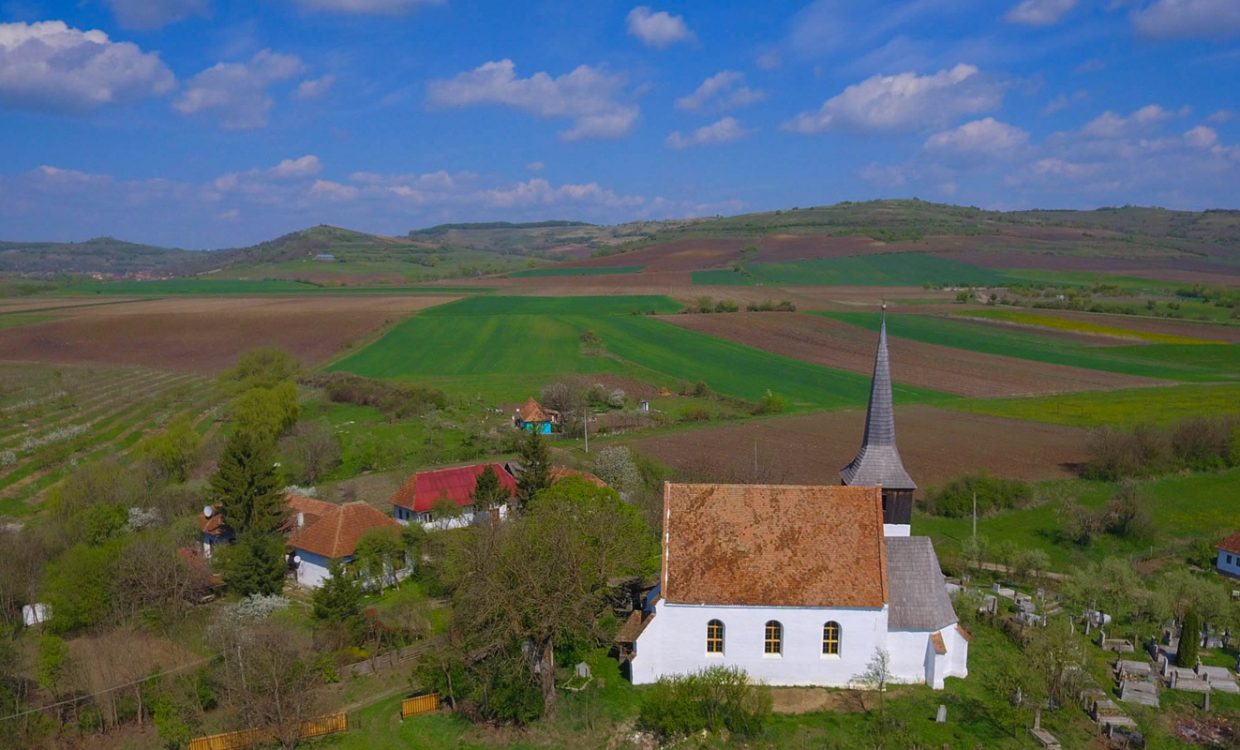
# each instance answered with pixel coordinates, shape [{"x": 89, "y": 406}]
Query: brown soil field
[
  {"x": 781, "y": 247},
  {"x": 936, "y": 445},
  {"x": 677, "y": 255},
  {"x": 205, "y": 335},
  {"x": 835, "y": 344}
]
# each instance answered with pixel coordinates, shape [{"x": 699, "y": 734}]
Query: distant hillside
[
  {"x": 549, "y": 239},
  {"x": 104, "y": 255}
]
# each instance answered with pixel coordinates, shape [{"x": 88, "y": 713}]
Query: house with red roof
[
  {"x": 416, "y": 499},
  {"x": 1228, "y": 561},
  {"x": 333, "y": 537}
]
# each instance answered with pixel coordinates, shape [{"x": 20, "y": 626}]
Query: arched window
[
  {"x": 773, "y": 643},
  {"x": 831, "y": 639},
  {"x": 714, "y": 637}
]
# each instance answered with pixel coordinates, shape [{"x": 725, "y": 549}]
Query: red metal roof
[
  {"x": 423, "y": 489},
  {"x": 1230, "y": 544}
]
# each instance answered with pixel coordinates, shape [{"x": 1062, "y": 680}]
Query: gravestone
[
  {"x": 941, "y": 717},
  {"x": 583, "y": 670}
]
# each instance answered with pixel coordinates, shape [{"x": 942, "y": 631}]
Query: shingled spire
[{"x": 878, "y": 461}]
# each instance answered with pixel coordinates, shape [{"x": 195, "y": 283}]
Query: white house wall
[
  {"x": 312, "y": 570},
  {"x": 1228, "y": 563},
  {"x": 674, "y": 642}
]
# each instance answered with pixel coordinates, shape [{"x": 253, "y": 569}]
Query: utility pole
[
  {"x": 585, "y": 425},
  {"x": 974, "y": 515}
]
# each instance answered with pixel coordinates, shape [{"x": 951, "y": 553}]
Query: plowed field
[{"x": 834, "y": 344}]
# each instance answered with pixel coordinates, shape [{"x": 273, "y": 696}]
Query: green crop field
[
  {"x": 1126, "y": 407},
  {"x": 1188, "y": 507},
  {"x": 1187, "y": 363},
  {"x": 1073, "y": 325},
  {"x": 595, "y": 271},
  {"x": 504, "y": 346},
  {"x": 889, "y": 269}
]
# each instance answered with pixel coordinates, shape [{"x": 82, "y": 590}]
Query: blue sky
[{"x": 207, "y": 123}]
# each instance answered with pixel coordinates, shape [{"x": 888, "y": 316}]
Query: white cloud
[
  {"x": 1221, "y": 116},
  {"x": 1189, "y": 19},
  {"x": 657, "y": 29},
  {"x": 723, "y": 91},
  {"x": 1039, "y": 12},
  {"x": 1201, "y": 137},
  {"x": 903, "y": 102},
  {"x": 314, "y": 88},
  {"x": 365, "y": 7},
  {"x": 236, "y": 93},
  {"x": 154, "y": 14},
  {"x": 586, "y": 95},
  {"x": 1110, "y": 125},
  {"x": 334, "y": 191},
  {"x": 1062, "y": 102},
  {"x": 726, "y": 130},
  {"x": 988, "y": 136},
  {"x": 51, "y": 67},
  {"x": 535, "y": 166},
  {"x": 301, "y": 167}
]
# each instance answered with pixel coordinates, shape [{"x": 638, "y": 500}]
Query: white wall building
[{"x": 1228, "y": 560}]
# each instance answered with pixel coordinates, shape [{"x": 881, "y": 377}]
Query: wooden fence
[
  {"x": 418, "y": 705},
  {"x": 245, "y": 738}
]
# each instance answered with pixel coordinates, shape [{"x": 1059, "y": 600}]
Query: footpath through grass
[
  {"x": 888, "y": 269},
  {"x": 504, "y": 347},
  {"x": 1183, "y": 362}
]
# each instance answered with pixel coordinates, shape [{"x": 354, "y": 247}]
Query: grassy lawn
[
  {"x": 1125, "y": 407},
  {"x": 1073, "y": 325},
  {"x": 556, "y": 271},
  {"x": 1186, "y": 508},
  {"x": 889, "y": 269},
  {"x": 1183, "y": 362},
  {"x": 501, "y": 346}
]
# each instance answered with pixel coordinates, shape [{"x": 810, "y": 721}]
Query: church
[{"x": 801, "y": 585}]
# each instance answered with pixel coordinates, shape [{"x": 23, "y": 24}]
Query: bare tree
[
  {"x": 270, "y": 680},
  {"x": 877, "y": 675}
]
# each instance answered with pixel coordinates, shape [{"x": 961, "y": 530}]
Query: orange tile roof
[
  {"x": 337, "y": 533},
  {"x": 774, "y": 545},
  {"x": 420, "y": 491},
  {"x": 940, "y": 647},
  {"x": 532, "y": 411},
  {"x": 310, "y": 509},
  {"x": 1230, "y": 544},
  {"x": 964, "y": 632},
  {"x": 563, "y": 472}
]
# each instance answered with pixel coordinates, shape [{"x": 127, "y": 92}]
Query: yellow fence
[
  {"x": 421, "y": 704},
  {"x": 248, "y": 737}
]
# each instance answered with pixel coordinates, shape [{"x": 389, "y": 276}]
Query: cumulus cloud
[
  {"x": 51, "y": 67},
  {"x": 1039, "y": 12},
  {"x": 365, "y": 7},
  {"x": 155, "y": 14},
  {"x": 987, "y": 136},
  {"x": 725, "y": 130},
  {"x": 1110, "y": 125},
  {"x": 723, "y": 91},
  {"x": 302, "y": 167},
  {"x": 587, "y": 96},
  {"x": 333, "y": 191},
  {"x": 1201, "y": 137},
  {"x": 1188, "y": 19},
  {"x": 314, "y": 88},
  {"x": 1063, "y": 101},
  {"x": 903, "y": 102},
  {"x": 237, "y": 93},
  {"x": 659, "y": 29}
]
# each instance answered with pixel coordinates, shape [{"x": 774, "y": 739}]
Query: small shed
[{"x": 532, "y": 417}]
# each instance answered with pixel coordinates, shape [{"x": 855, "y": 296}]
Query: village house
[
  {"x": 332, "y": 537},
  {"x": 533, "y": 417},
  {"x": 415, "y": 500},
  {"x": 801, "y": 585},
  {"x": 1228, "y": 560}
]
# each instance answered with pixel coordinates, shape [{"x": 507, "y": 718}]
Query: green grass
[
  {"x": 593, "y": 271},
  {"x": 1187, "y": 363},
  {"x": 1089, "y": 279},
  {"x": 495, "y": 345},
  {"x": 1199, "y": 506},
  {"x": 890, "y": 269},
  {"x": 245, "y": 287},
  {"x": 1073, "y": 325},
  {"x": 17, "y": 320},
  {"x": 1125, "y": 407}
]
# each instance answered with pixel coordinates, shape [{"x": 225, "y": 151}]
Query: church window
[
  {"x": 831, "y": 639},
  {"x": 773, "y": 644},
  {"x": 714, "y": 637}
]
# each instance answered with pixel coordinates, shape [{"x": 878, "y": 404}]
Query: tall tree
[
  {"x": 255, "y": 564},
  {"x": 535, "y": 468},
  {"x": 1190, "y": 639},
  {"x": 246, "y": 485},
  {"x": 488, "y": 492},
  {"x": 263, "y": 367},
  {"x": 339, "y": 600}
]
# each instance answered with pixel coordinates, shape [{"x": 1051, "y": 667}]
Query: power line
[{"x": 80, "y": 698}]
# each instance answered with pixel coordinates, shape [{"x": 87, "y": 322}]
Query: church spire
[{"x": 878, "y": 461}]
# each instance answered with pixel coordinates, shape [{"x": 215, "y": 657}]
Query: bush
[
  {"x": 771, "y": 403},
  {"x": 1200, "y": 443},
  {"x": 713, "y": 699},
  {"x": 396, "y": 400},
  {"x": 955, "y": 500},
  {"x": 695, "y": 414}
]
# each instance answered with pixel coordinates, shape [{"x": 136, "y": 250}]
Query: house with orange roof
[
  {"x": 415, "y": 500},
  {"x": 533, "y": 417},
  {"x": 333, "y": 537},
  {"x": 1228, "y": 560}
]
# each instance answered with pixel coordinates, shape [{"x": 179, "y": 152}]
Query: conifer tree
[
  {"x": 1190, "y": 639},
  {"x": 255, "y": 564},
  {"x": 339, "y": 599},
  {"x": 246, "y": 486},
  {"x": 535, "y": 468},
  {"x": 488, "y": 492}
]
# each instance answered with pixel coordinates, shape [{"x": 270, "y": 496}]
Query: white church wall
[
  {"x": 908, "y": 655},
  {"x": 675, "y": 643}
]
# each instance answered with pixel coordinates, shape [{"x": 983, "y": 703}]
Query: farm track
[{"x": 94, "y": 408}]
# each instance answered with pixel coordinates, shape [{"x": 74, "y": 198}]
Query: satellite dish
[
  {"x": 207, "y": 511},
  {"x": 297, "y": 559}
]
